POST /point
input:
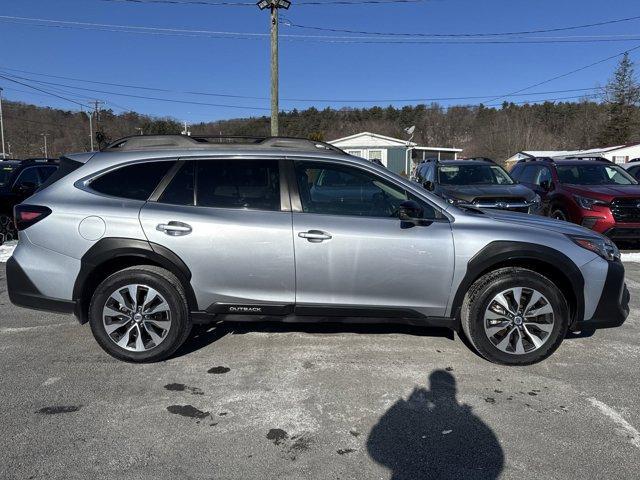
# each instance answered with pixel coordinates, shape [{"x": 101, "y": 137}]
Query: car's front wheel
[
  {"x": 515, "y": 316},
  {"x": 140, "y": 314}
]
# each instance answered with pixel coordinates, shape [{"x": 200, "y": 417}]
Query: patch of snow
[
  {"x": 631, "y": 257},
  {"x": 6, "y": 250}
]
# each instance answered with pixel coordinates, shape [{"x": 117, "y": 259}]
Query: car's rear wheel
[
  {"x": 8, "y": 230},
  {"x": 515, "y": 316},
  {"x": 140, "y": 314}
]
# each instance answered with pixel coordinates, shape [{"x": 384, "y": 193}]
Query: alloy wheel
[
  {"x": 136, "y": 317},
  {"x": 519, "y": 320}
]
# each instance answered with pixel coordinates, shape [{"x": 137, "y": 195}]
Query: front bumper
[
  {"x": 23, "y": 293},
  {"x": 613, "y": 307}
]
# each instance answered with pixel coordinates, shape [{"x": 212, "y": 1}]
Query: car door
[
  {"x": 352, "y": 253},
  {"x": 230, "y": 222}
]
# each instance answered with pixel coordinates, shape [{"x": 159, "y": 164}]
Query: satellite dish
[{"x": 410, "y": 130}]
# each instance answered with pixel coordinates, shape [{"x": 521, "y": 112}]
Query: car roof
[{"x": 150, "y": 147}]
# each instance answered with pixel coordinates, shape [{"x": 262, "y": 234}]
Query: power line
[
  {"x": 557, "y": 77},
  {"x": 186, "y": 102},
  {"x": 336, "y": 39},
  {"x": 461, "y": 35},
  {"x": 252, "y": 4},
  {"x": 42, "y": 90},
  {"x": 319, "y": 100}
]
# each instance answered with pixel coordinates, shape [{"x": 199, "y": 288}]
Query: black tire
[
  {"x": 165, "y": 283},
  {"x": 559, "y": 214},
  {"x": 8, "y": 230},
  {"x": 491, "y": 284}
]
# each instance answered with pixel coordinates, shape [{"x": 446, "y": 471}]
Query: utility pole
[
  {"x": 96, "y": 109},
  {"x": 4, "y": 155},
  {"x": 46, "y": 151},
  {"x": 273, "y": 6},
  {"x": 90, "y": 117}
]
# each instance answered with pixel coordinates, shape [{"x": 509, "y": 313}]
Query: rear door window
[
  {"x": 241, "y": 184},
  {"x": 180, "y": 190},
  {"x": 135, "y": 182},
  {"x": 28, "y": 175}
]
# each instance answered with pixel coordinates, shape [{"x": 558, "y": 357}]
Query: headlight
[
  {"x": 588, "y": 203},
  {"x": 603, "y": 246}
]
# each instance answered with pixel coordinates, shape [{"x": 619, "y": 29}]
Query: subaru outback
[{"x": 154, "y": 234}]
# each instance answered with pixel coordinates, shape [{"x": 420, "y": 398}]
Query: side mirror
[
  {"x": 410, "y": 212},
  {"x": 546, "y": 185},
  {"x": 428, "y": 184},
  {"x": 26, "y": 188}
]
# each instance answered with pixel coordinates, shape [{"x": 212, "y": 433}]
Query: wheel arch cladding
[
  {"x": 542, "y": 259},
  {"x": 110, "y": 255}
]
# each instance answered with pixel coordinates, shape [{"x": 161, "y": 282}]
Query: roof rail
[
  {"x": 482, "y": 159},
  {"x": 143, "y": 142},
  {"x": 586, "y": 157},
  {"x": 531, "y": 158}
]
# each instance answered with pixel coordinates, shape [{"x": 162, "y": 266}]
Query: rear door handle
[
  {"x": 315, "y": 236},
  {"x": 175, "y": 229}
]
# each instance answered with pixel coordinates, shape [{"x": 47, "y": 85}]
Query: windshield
[
  {"x": 5, "y": 175},
  {"x": 595, "y": 174},
  {"x": 473, "y": 175}
]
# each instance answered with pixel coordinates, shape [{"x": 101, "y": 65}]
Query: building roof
[
  {"x": 368, "y": 139},
  {"x": 569, "y": 153}
]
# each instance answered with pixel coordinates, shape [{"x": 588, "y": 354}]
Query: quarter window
[
  {"x": 246, "y": 184},
  {"x": 135, "y": 182},
  {"x": 339, "y": 190}
]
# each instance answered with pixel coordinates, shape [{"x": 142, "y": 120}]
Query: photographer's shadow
[{"x": 431, "y": 435}]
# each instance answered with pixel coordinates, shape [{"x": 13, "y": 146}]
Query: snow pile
[
  {"x": 631, "y": 256},
  {"x": 6, "y": 250}
]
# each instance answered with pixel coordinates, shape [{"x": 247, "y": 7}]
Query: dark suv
[
  {"x": 592, "y": 192},
  {"x": 478, "y": 182},
  {"x": 19, "y": 180}
]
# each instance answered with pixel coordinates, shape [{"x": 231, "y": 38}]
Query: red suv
[{"x": 594, "y": 193}]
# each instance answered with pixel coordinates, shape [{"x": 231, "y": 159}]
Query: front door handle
[
  {"x": 315, "y": 236},
  {"x": 175, "y": 229}
]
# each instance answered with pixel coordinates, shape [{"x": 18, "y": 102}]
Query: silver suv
[{"x": 154, "y": 234}]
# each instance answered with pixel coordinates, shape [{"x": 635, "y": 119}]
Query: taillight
[{"x": 27, "y": 215}]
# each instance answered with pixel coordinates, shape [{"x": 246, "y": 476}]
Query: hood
[
  {"x": 539, "y": 222},
  {"x": 604, "y": 192},
  {"x": 471, "y": 192}
]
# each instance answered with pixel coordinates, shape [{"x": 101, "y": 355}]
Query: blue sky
[{"x": 308, "y": 69}]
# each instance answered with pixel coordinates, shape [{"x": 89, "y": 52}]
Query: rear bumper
[
  {"x": 613, "y": 307},
  {"x": 23, "y": 293}
]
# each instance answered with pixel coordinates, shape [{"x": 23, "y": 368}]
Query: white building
[
  {"x": 394, "y": 153},
  {"x": 618, "y": 154}
]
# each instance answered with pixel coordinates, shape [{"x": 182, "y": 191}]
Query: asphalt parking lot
[{"x": 296, "y": 402}]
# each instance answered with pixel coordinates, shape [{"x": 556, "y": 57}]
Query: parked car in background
[
  {"x": 592, "y": 192},
  {"x": 479, "y": 182},
  {"x": 153, "y": 234},
  {"x": 633, "y": 168},
  {"x": 18, "y": 180}
]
